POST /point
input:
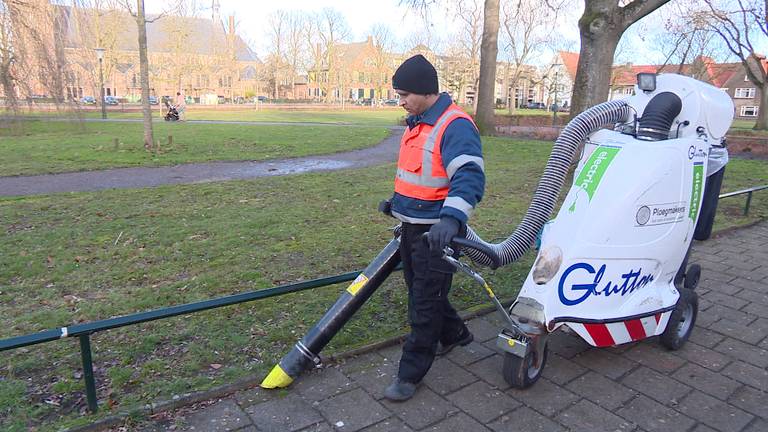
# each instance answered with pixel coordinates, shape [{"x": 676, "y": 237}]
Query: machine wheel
[
  {"x": 681, "y": 321},
  {"x": 692, "y": 277},
  {"x": 521, "y": 372}
]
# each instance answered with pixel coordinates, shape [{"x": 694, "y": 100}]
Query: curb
[{"x": 253, "y": 381}]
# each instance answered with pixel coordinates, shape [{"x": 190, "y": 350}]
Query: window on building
[
  {"x": 749, "y": 111},
  {"x": 744, "y": 93},
  {"x": 746, "y": 78}
]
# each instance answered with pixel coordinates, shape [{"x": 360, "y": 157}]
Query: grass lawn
[
  {"x": 744, "y": 127},
  {"x": 79, "y": 257},
  {"x": 50, "y": 147},
  {"x": 383, "y": 116}
]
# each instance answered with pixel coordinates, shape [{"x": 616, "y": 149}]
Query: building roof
[
  {"x": 201, "y": 35},
  {"x": 570, "y": 61},
  {"x": 704, "y": 68},
  {"x": 348, "y": 52}
]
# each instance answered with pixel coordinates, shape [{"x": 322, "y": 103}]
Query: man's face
[{"x": 413, "y": 103}]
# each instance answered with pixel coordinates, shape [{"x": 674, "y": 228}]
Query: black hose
[{"x": 658, "y": 116}]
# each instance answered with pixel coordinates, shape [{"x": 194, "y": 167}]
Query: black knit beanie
[{"x": 416, "y": 75}]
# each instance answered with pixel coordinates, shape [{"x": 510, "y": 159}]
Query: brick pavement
[{"x": 717, "y": 382}]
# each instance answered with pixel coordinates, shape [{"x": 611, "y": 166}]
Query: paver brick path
[{"x": 717, "y": 382}]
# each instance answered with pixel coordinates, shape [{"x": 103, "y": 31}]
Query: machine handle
[{"x": 485, "y": 250}]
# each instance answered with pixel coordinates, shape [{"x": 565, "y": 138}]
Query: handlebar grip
[{"x": 485, "y": 250}]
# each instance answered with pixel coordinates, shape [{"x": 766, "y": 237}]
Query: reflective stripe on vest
[{"x": 430, "y": 180}]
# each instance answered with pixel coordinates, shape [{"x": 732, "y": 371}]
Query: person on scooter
[{"x": 440, "y": 179}]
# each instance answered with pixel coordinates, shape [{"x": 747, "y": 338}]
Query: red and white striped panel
[{"x": 616, "y": 333}]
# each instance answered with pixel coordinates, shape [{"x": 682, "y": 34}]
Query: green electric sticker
[
  {"x": 698, "y": 177},
  {"x": 590, "y": 176}
]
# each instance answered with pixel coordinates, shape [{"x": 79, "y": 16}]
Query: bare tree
[
  {"x": 686, "y": 39},
  {"x": 739, "y": 25},
  {"x": 480, "y": 49},
  {"x": 296, "y": 49},
  {"x": 278, "y": 33},
  {"x": 486, "y": 97},
  {"x": 600, "y": 27},
  {"x": 470, "y": 35},
  {"x": 527, "y": 30},
  {"x": 8, "y": 62},
  {"x": 180, "y": 64},
  {"x": 329, "y": 29},
  {"x": 139, "y": 15},
  {"x": 383, "y": 43},
  {"x": 33, "y": 50}
]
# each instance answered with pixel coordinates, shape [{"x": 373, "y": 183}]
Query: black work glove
[
  {"x": 441, "y": 233},
  {"x": 385, "y": 206}
]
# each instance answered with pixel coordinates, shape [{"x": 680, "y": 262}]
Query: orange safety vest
[{"x": 420, "y": 170}]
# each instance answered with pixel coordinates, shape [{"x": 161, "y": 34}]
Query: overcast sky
[{"x": 252, "y": 23}]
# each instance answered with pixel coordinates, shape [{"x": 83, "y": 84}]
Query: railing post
[
  {"x": 90, "y": 382},
  {"x": 749, "y": 200}
]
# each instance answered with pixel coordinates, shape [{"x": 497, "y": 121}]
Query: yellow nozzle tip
[{"x": 277, "y": 379}]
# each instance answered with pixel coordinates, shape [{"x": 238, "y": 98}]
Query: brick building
[
  {"x": 730, "y": 77},
  {"x": 199, "y": 56}
]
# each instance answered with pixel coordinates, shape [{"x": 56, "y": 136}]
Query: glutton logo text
[{"x": 572, "y": 292}]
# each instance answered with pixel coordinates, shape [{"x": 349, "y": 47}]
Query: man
[
  {"x": 439, "y": 182},
  {"x": 181, "y": 106}
]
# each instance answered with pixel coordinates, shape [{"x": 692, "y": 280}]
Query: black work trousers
[{"x": 430, "y": 314}]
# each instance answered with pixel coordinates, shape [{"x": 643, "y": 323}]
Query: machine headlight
[
  {"x": 547, "y": 264},
  {"x": 646, "y": 81}
]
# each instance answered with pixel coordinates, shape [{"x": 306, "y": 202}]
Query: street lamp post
[
  {"x": 555, "y": 107},
  {"x": 100, "y": 55}
]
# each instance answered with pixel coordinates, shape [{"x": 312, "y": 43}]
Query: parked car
[
  {"x": 391, "y": 102},
  {"x": 535, "y": 105},
  {"x": 152, "y": 100},
  {"x": 88, "y": 100},
  {"x": 260, "y": 99},
  {"x": 111, "y": 100}
]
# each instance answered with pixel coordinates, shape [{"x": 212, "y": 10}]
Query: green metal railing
[
  {"x": 84, "y": 331},
  {"x": 747, "y": 191}
]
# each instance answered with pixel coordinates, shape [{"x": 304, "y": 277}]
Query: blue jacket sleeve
[{"x": 462, "y": 156}]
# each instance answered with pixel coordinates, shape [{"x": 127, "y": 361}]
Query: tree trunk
[
  {"x": 762, "y": 113},
  {"x": 600, "y": 29},
  {"x": 599, "y": 38},
  {"x": 489, "y": 49},
  {"x": 146, "y": 109}
]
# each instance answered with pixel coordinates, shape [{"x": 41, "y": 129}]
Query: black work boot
[
  {"x": 465, "y": 339},
  {"x": 400, "y": 390}
]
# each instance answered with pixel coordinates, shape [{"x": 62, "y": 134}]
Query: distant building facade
[{"x": 197, "y": 56}]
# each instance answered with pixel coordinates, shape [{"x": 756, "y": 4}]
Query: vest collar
[{"x": 433, "y": 113}]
